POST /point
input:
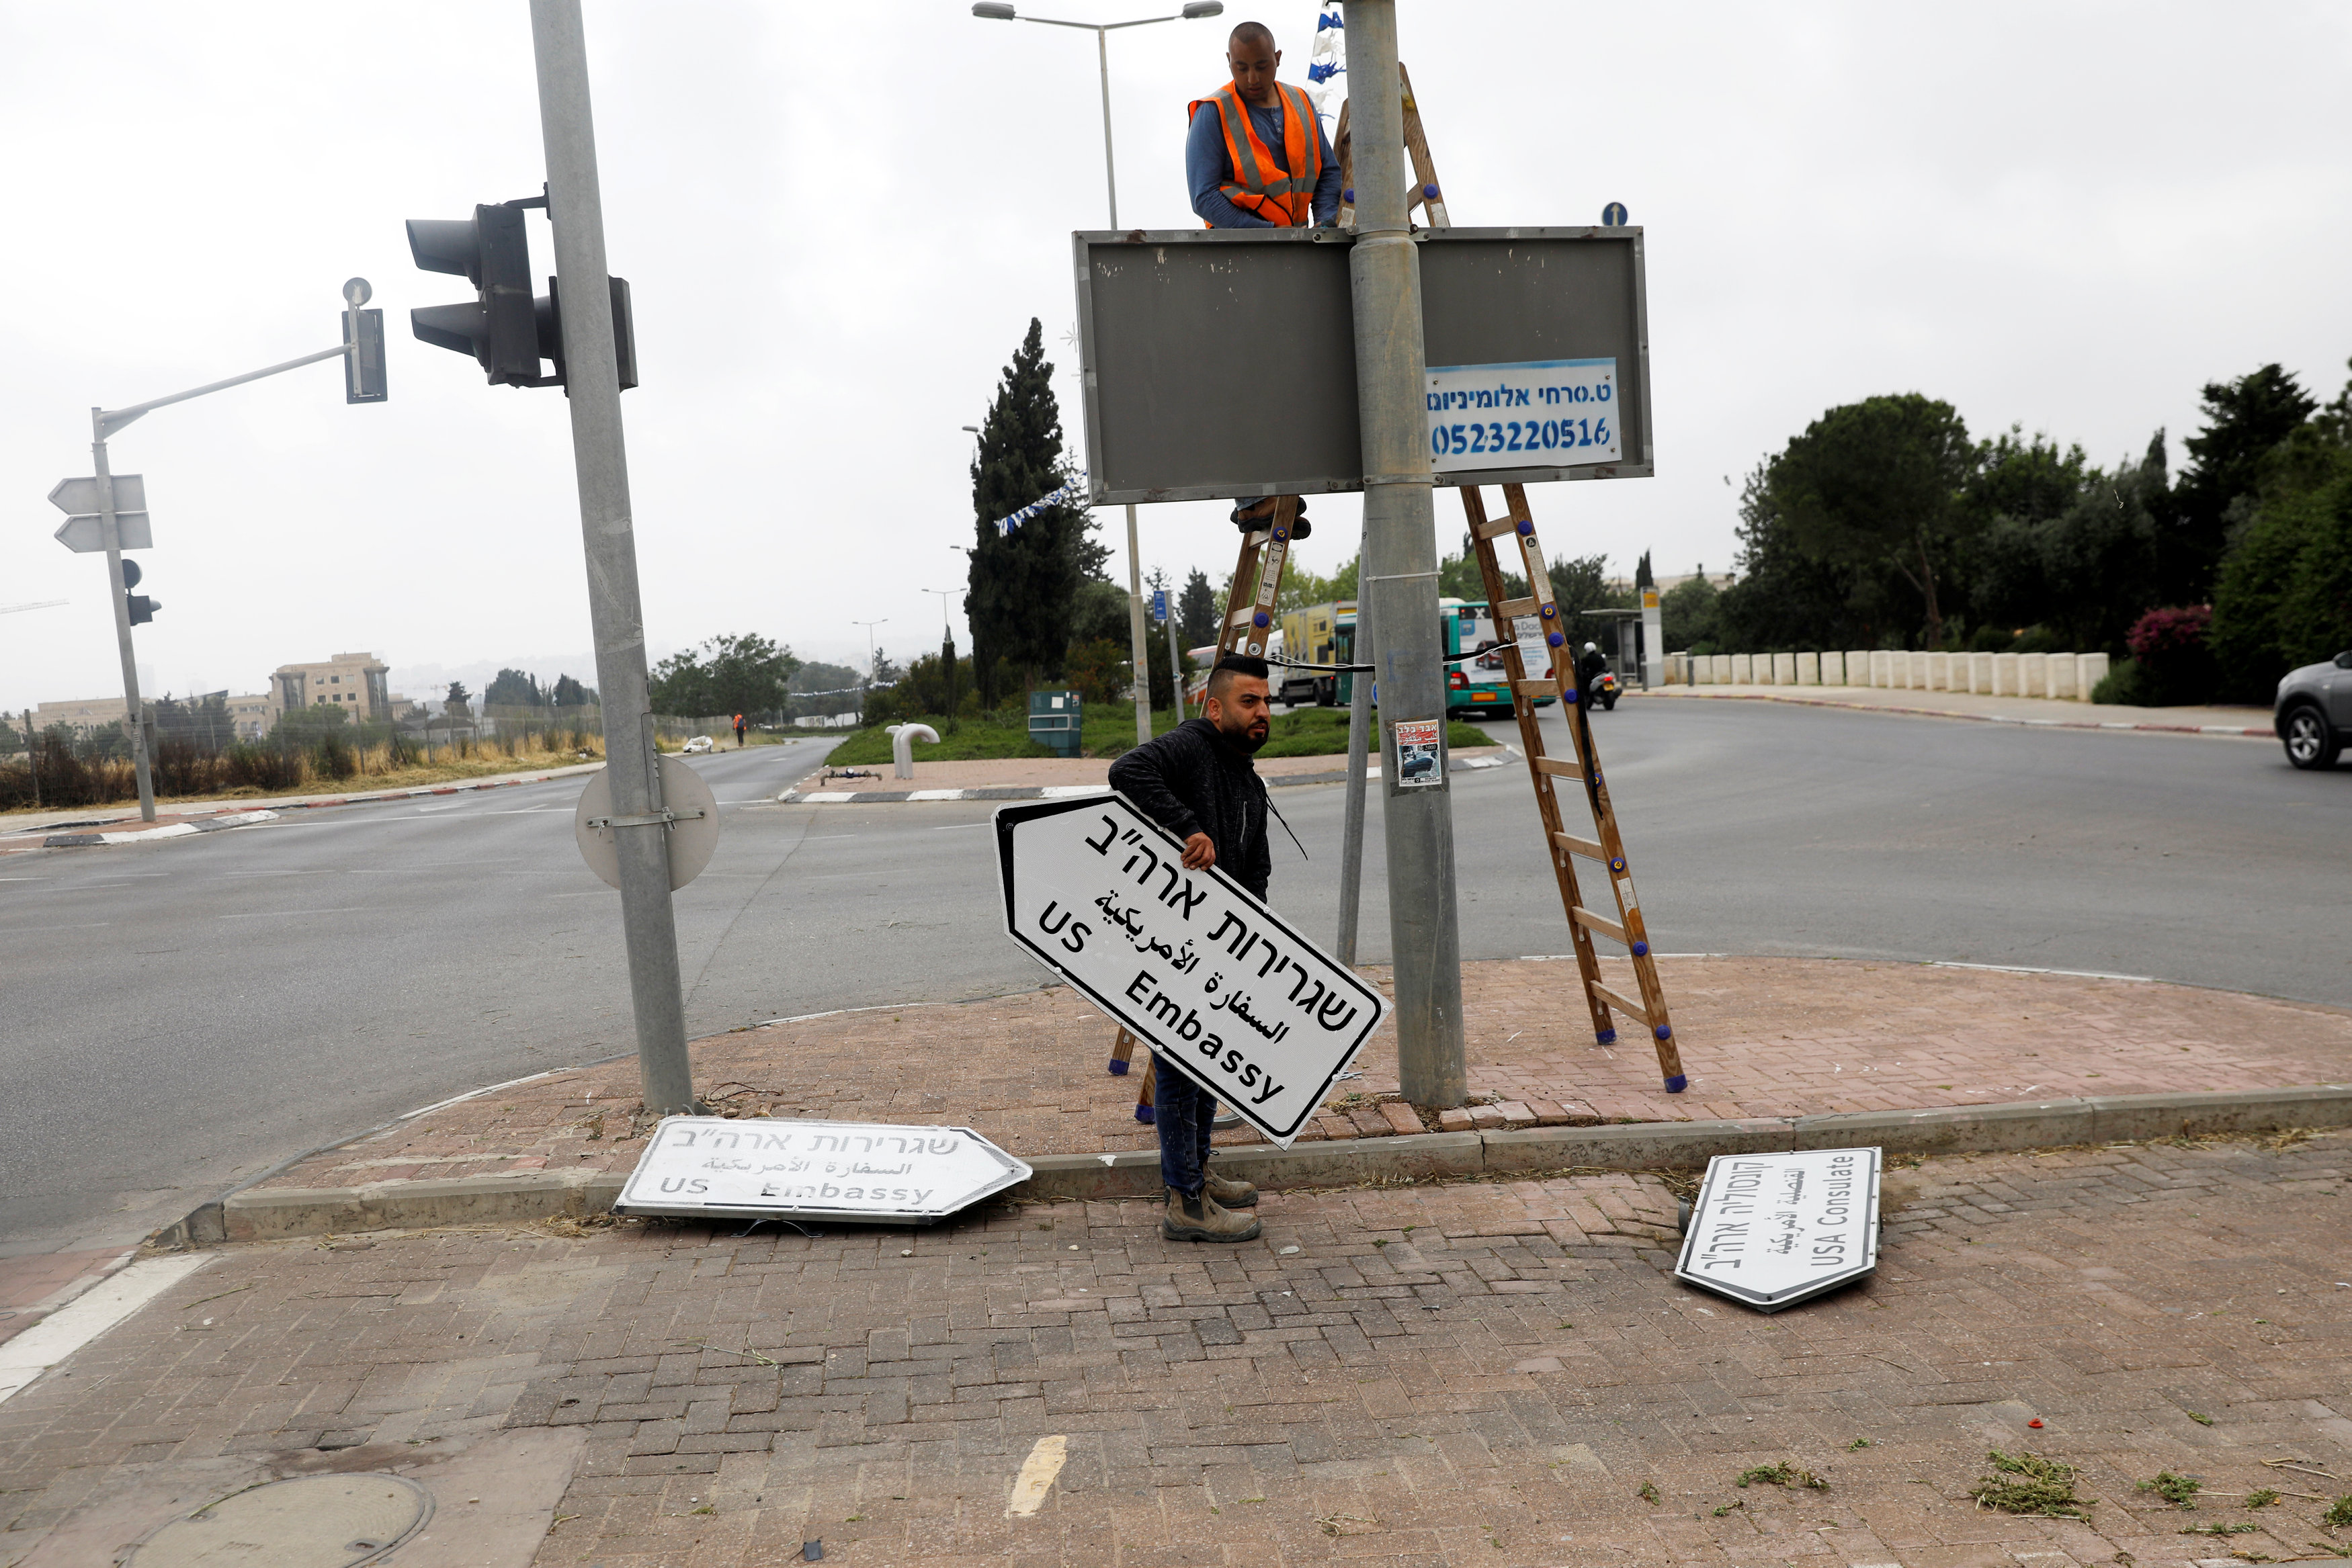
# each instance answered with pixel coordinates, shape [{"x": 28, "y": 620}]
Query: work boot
[
  {"x": 1203, "y": 1218},
  {"x": 1250, "y": 515},
  {"x": 1231, "y": 1193}
]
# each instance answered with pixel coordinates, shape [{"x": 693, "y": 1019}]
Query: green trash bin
[{"x": 1055, "y": 721}]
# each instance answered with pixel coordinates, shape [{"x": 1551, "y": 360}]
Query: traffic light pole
[
  {"x": 104, "y": 422},
  {"x": 591, "y": 369},
  {"x": 134, "y": 716},
  {"x": 1399, "y": 590}
]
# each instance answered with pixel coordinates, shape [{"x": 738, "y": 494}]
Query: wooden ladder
[{"x": 1607, "y": 846}]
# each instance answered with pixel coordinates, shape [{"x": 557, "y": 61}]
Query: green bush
[{"x": 2123, "y": 683}]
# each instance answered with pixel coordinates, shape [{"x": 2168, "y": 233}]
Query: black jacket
[{"x": 1189, "y": 781}]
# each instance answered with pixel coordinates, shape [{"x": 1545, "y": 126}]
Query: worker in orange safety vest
[{"x": 1256, "y": 157}]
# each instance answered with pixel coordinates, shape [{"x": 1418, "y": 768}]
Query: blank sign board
[{"x": 1222, "y": 363}]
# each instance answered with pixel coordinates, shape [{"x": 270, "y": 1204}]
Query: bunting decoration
[
  {"x": 1329, "y": 58},
  {"x": 1069, "y": 492}
]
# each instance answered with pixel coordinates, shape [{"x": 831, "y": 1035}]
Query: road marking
[
  {"x": 951, "y": 827},
  {"x": 289, "y": 914},
  {"x": 88, "y": 1315},
  {"x": 1036, "y": 1478}
]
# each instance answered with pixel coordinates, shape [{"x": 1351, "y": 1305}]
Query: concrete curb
[
  {"x": 267, "y": 1213},
  {"x": 2244, "y": 732},
  {"x": 797, "y": 797}
]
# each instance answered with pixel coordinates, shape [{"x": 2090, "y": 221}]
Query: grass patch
[
  {"x": 2028, "y": 1483},
  {"x": 2261, "y": 1496},
  {"x": 1783, "y": 1475},
  {"x": 1108, "y": 732},
  {"x": 2340, "y": 1513},
  {"x": 2179, "y": 1491},
  {"x": 2220, "y": 1528}
]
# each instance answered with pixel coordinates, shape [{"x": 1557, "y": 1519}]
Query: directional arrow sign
[
  {"x": 1215, "y": 981},
  {"x": 84, "y": 535},
  {"x": 828, "y": 1170},
  {"x": 1771, "y": 1230},
  {"x": 80, "y": 496}
]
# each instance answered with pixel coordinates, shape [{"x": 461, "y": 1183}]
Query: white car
[{"x": 700, "y": 743}]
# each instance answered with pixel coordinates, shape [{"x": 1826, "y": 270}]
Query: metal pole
[
  {"x": 1136, "y": 649},
  {"x": 631, "y": 765},
  {"x": 1175, "y": 666},
  {"x": 1400, "y": 570},
  {"x": 33, "y": 755},
  {"x": 111, "y": 533},
  {"x": 1351, "y": 841},
  {"x": 1111, "y": 170}
]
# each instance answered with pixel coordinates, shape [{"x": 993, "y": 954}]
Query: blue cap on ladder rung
[
  {"x": 1677, "y": 1083},
  {"x": 1430, "y": 190},
  {"x": 1641, "y": 949},
  {"x": 1261, "y": 619},
  {"x": 1526, "y": 525},
  {"x": 1605, "y": 1036},
  {"x": 1282, "y": 533},
  {"x": 1555, "y": 639},
  {"x": 1145, "y": 1113},
  {"x": 1664, "y": 1032},
  {"x": 1118, "y": 1068},
  {"x": 1348, "y": 195}
]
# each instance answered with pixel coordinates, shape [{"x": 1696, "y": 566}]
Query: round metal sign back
[{"x": 691, "y": 839}]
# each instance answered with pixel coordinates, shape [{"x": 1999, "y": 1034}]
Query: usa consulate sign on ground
[{"x": 1212, "y": 980}]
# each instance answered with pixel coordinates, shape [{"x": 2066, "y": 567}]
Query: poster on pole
[{"x": 1211, "y": 980}]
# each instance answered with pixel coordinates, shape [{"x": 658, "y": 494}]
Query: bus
[
  {"x": 1480, "y": 687},
  {"x": 1326, "y": 634}
]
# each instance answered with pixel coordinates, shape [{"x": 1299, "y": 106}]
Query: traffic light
[
  {"x": 143, "y": 608},
  {"x": 491, "y": 251},
  {"x": 363, "y": 378},
  {"x": 506, "y": 330}
]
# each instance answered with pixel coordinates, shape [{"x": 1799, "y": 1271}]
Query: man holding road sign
[{"x": 1198, "y": 781}]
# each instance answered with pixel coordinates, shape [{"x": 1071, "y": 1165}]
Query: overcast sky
[{"x": 838, "y": 220}]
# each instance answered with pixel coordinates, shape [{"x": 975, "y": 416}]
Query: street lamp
[
  {"x": 869, "y": 626},
  {"x": 1195, "y": 10}
]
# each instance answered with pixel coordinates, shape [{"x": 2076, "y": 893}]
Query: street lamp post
[
  {"x": 994, "y": 11},
  {"x": 869, "y": 625}
]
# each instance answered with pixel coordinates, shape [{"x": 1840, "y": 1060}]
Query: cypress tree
[{"x": 1022, "y": 584}]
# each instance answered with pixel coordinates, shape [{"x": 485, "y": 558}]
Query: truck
[{"x": 1316, "y": 634}]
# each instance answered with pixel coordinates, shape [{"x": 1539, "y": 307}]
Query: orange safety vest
[{"x": 1260, "y": 185}]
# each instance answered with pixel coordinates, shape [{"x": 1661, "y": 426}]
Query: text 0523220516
[{"x": 1539, "y": 413}]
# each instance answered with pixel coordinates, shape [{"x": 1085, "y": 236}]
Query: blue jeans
[{"x": 1183, "y": 1111}]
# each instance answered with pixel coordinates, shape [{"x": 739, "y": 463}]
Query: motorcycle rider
[{"x": 1590, "y": 665}]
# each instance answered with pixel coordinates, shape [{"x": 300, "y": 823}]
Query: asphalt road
[{"x": 179, "y": 1016}]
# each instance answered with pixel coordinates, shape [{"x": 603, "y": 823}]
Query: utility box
[{"x": 1055, "y": 721}]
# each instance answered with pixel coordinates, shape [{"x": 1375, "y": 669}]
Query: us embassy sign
[{"x": 1216, "y": 983}]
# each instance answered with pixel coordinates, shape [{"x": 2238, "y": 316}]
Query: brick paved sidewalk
[
  {"x": 1483, "y": 1374},
  {"x": 1759, "y": 1037}
]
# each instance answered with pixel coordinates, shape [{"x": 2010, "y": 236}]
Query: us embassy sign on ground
[
  {"x": 763, "y": 1166},
  {"x": 1771, "y": 1230},
  {"x": 1537, "y": 339},
  {"x": 1212, "y": 980}
]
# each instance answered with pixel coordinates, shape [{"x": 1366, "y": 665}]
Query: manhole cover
[{"x": 310, "y": 1522}]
